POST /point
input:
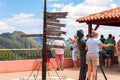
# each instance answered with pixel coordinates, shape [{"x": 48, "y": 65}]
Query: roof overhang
[{"x": 109, "y": 18}]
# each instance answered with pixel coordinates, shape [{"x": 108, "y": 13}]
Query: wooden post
[
  {"x": 89, "y": 28},
  {"x": 44, "y": 45}
]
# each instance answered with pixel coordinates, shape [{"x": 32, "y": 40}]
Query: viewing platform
[
  {"x": 20, "y": 68},
  {"x": 67, "y": 74}
]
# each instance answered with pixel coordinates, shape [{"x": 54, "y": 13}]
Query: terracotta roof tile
[{"x": 109, "y": 14}]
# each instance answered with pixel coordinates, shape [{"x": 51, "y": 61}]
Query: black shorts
[{"x": 109, "y": 53}]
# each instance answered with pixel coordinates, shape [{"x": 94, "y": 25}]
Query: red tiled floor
[{"x": 111, "y": 74}]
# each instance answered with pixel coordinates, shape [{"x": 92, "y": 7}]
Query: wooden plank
[
  {"x": 53, "y": 20},
  {"x": 51, "y": 15},
  {"x": 57, "y": 13},
  {"x": 55, "y": 31},
  {"x": 53, "y": 34},
  {"x": 52, "y": 27},
  {"x": 52, "y": 30},
  {"x": 32, "y": 35},
  {"x": 56, "y": 24},
  {"x": 41, "y": 35}
]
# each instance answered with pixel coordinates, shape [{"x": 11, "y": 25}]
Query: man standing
[
  {"x": 109, "y": 50},
  {"x": 59, "y": 54},
  {"x": 102, "y": 39}
]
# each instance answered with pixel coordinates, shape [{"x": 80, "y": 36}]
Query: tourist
[
  {"x": 92, "y": 56},
  {"x": 59, "y": 54},
  {"x": 74, "y": 50},
  {"x": 109, "y": 50},
  {"x": 102, "y": 39},
  {"x": 48, "y": 53}
]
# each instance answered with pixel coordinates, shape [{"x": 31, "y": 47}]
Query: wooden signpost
[
  {"x": 51, "y": 30},
  {"x": 51, "y": 21}
]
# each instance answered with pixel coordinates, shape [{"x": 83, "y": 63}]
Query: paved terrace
[{"x": 72, "y": 74}]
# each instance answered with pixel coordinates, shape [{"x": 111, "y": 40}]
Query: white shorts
[{"x": 74, "y": 55}]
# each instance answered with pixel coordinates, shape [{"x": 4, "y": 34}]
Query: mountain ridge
[{"x": 13, "y": 40}]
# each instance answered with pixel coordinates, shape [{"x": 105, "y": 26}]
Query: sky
[{"x": 27, "y": 15}]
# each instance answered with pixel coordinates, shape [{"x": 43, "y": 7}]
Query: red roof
[{"x": 109, "y": 17}]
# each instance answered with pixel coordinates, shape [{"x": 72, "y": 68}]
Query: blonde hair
[
  {"x": 93, "y": 33},
  {"x": 75, "y": 36}
]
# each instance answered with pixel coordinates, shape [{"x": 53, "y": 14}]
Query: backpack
[{"x": 49, "y": 54}]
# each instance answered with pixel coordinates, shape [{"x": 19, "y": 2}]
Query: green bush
[{"x": 22, "y": 54}]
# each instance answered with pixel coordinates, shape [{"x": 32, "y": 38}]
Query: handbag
[{"x": 71, "y": 48}]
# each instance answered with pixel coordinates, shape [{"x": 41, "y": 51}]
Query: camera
[{"x": 103, "y": 55}]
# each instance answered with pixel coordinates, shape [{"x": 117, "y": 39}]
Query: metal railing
[{"x": 23, "y": 54}]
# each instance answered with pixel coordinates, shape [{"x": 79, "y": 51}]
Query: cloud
[
  {"x": 5, "y": 27},
  {"x": 113, "y": 5},
  {"x": 88, "y": 7},
  {"x": 98, "y": 2},
  {"x": 57, "y": 5},
  {"x": 25, "y": 22},
  {"x": 23, "y": 19},
  {"x": 85, "y": 8}
]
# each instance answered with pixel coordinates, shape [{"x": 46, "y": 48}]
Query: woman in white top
[{"x": 92, "y": 56}]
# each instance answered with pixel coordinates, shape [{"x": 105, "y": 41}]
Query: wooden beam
[
  {"x": 109, "y": 22},
  {"x": 89, "y": 28},
  {"x": 31, "y": 35},
  {"x": 41, "y": 35},
  {"x": 96, "y": 27}
]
